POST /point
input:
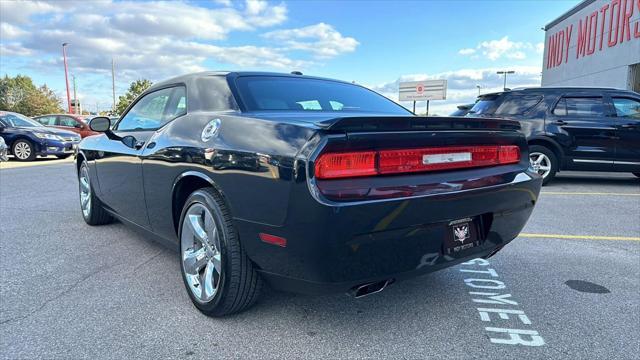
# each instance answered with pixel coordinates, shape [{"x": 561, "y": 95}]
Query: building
[{"x": 597, "y": 43}]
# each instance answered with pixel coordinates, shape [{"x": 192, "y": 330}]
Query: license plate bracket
[{"x": 462, "y": 235}]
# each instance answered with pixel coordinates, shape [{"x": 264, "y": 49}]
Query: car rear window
[
  {"x": 518, "y": 104},
  {"x": 280, "y": 93},
  {"x": 484, "y": 105}
]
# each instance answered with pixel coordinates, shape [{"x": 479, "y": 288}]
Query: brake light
[
  {"x": 350, "y": 164},
  {"x": 367, "y": 163}
]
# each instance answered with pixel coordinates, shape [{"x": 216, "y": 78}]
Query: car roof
[
  {"x": 540, "y": 89},
  {"x": 188, "y": 77}
]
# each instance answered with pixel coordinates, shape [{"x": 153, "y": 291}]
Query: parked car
[
  {"x": 71, "y": 122},
  {"x": 27, "y": 138},
  {"x": 352, "y": 191},
  {"x": 590, "y": 129},
  {"x": 4, "y": 150},
  {"x": 462, "y": 110}
]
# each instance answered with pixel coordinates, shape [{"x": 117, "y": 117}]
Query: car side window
[
  {"x": 627, "y": 107},
  {"x": 47, "y": 120},
  {"x": 580, "y": 107},
  {"x": 155, "y": 109},
  {"x": 66, "y": 121}
]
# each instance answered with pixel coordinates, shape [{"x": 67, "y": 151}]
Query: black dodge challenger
[{"x": 312, "y": 185}]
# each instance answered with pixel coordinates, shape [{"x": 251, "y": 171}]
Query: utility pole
[
  {"x": 505, "y": 72},
  {"x": 478, "y": 86},
  {"x": 113, "y": 87},
  {"x": 66, "y": 76},
  {"x": 75, "y": 96}
]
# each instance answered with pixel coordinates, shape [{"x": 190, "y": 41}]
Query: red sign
[
  {"x": 614, "y": 17},
  {"x": 420, "y": 89}
]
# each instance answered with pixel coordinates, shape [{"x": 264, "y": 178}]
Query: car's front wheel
[
  {"x": 544, "y": 162},
  {"x": 92, "y": 210},
  {"x": 218, "y": 275},
  {"x": 23, "y": 150}
]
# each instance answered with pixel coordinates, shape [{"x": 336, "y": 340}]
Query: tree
[
  {"x": 136, "y": 88},
  {"x": 19, "y": 94}
]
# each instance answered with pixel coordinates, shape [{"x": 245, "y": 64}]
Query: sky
[{"x": 374, "y": 43}]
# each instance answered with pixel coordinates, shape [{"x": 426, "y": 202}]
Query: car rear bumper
[{"x": 332, "y": 248}]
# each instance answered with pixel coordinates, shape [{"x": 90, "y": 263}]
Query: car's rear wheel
[
  {"x": 92, "y": 210},
  {"x": 23, "y": 150},
  {"x": 544, "y": 162},
  {"x": 219, "y": 277}
]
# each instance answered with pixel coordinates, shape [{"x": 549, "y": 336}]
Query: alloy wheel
[
  {"x": 22, "y": 150},
  {"x": 201, "y": 257},
  {"x": 85, "y": 191},
  {"x": 540, "y": 163}
]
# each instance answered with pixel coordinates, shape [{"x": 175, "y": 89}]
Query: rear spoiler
[{"x": 414, "y": 123}]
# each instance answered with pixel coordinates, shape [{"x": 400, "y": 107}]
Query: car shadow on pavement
[{"x": 583, "y": 180}]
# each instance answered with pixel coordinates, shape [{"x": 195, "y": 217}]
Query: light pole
[
  {"x": 479, "y": 87},
  {"x": 75, "y": 96},
  {"x": 113, "y": 87},
  {"x": 66, "y": 76},
  {"x": 505, "y": 77}
]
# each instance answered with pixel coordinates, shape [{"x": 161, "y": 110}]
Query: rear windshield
[
  {"x": 275, "y": 93},
  {"x": 484, "y": 105},
  {"x": 516, "y": 105}
]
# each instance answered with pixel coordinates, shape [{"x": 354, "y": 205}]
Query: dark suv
[{"x": 572, "y": 128}]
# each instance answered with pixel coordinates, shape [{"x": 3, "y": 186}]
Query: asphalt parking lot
[{"x": 569, "y": 287}]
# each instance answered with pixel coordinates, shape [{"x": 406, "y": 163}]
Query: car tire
[
  {"x": 218, "y": 275},
  {"x": 547, "y": 162},
  {"x": 23, "y": 150},
  {"x": 63, "y": 156},
  {"x": 91, "y": 207}
]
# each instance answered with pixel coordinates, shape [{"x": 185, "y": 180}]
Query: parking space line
[
  {"x": 579, "y": 237},
  {"x": 588, "y": 193}
]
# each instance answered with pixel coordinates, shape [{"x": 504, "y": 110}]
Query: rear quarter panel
[{"x": 250, "y": 161}]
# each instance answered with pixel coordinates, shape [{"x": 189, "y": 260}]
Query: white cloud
[
  {"x": 13, "y": 49},
  {"x": 320, "y": 39},
  {"x": 496, "y": 49},
  {"x": 8, "y": 31},
  {"x": 467, "y": 51},
  {"x": 151, "y": 39},
  {"x": 461, "y": 86},
  {"x": 21, "y": 11},
  {"x": 540, "y": 47},
  {"x": 147, "y": 39}
]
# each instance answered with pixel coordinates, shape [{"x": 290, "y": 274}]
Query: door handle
[{"x": 561, "y": 122}]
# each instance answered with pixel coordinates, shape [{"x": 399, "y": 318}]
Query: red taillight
[
  {"x": 348, "y": 164},
  {"x": 351, "y": 164}
]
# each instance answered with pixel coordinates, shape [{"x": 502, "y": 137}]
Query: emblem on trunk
[{"x": 461, "y": 232}]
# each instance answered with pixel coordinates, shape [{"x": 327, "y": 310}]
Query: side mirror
[{"x": 100, "y": 124}]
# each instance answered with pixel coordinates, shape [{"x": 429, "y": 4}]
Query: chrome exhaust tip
[{"x": 369, "y": 288}]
